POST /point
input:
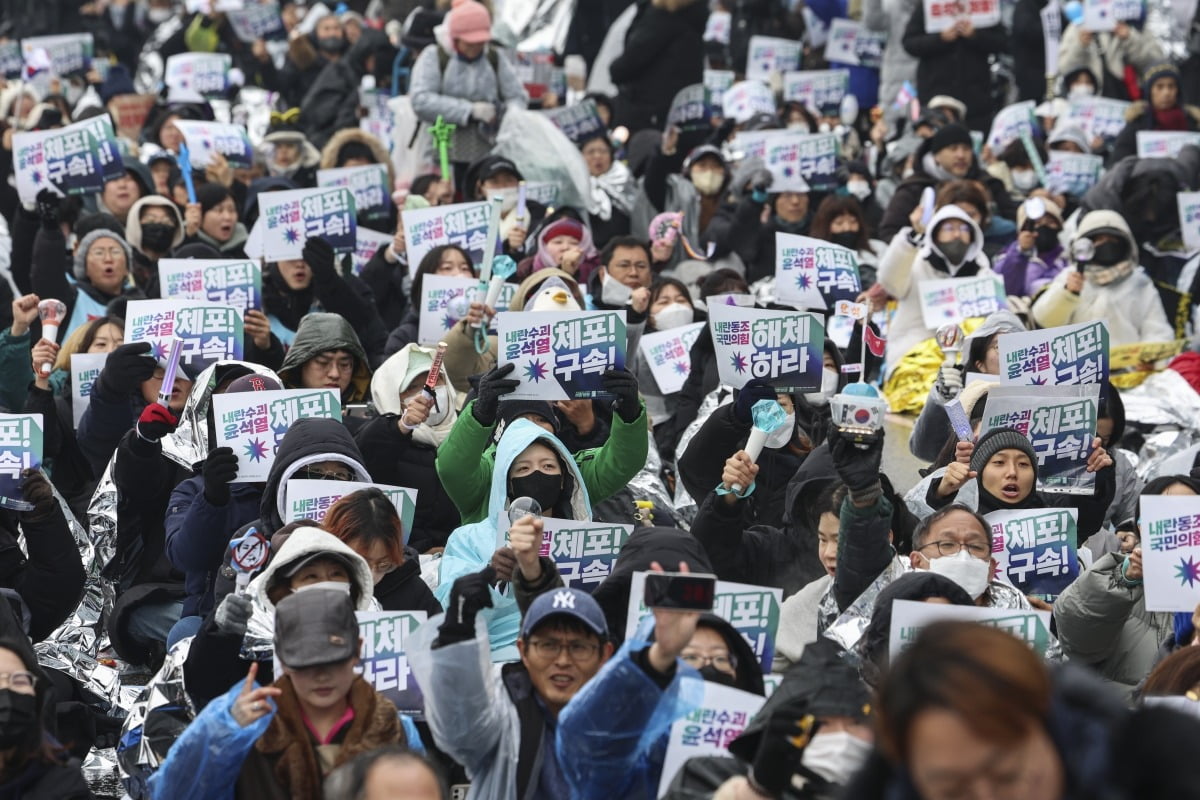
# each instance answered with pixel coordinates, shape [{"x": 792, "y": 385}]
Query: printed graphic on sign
[
  {"x": 76, "y": 159},
  {"x": 1060, "y": 423},
  {"x": 256, "y": 21},
  {"x": 1189, "y": 219},
  {"x": 1068, "y": 354},
  {"x": 368, "y": 183},
  {"x": 1165, "y": 144},
  {"x": 560, "y": 356},
  {"x": 210, "y": 332},
  {"x": 1010, "y": 123},
  {"x": 311, "y": 499},
  {"x": 852, "y": 44},
  {"x": 366, "y": 244},
  {"x": 1170, "y": 526},
  {"x": 383, "y": 662},
  {"x": 942, "y": 15},
  {"x": 254, "y": 423},
  {"x": 291, "y": 218},
  {"x": 784, "y": 348},
  {"x": 579, "y": 121},
  {"x": 1098, "y": 116},
  {"x": 669, "y": 355},
  {"x": 817, "y": 89},
  {"x": 206, "y": 73},
  {"x": 768, "y": 55},
  {"x": 463, "y": 224},
  {"x": 20, "y": 449},
  {"x": 205, "y": 138},
  {"x": 68, "y": 54},
  {"x": 583, "y": 552},
  {"x": 708, "y": 730},
  {"x": 909, "y": 617},
  {"x": 85, "y": 369},
  {"x": 1072, "y": 173},
  {"x": 798, "y": 162},
  {"x": 957, "y": 299},
  {"x": 445, "y": 299},
  {"x": 745, "y": 99}
]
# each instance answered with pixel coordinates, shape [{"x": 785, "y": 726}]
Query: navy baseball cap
[{"x": 574, "y": 603}]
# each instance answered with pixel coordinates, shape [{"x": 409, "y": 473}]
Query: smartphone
[
  {"x": 360, "y": 410},
  {"x": 680, "y": 591}
]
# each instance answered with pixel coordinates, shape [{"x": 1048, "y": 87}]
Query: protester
[{"x": 1160, "y": 109}]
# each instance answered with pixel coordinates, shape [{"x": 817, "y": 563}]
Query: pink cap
[{"x": 469, "y": 22}]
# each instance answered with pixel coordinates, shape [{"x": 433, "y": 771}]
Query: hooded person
[
  {"x": 219, "y": 223},
  {"x": 289, "y": 152},
  {"x": 1030, "y": 262},
  {"x": 498, "y": 176},
  {"x": 399, "y": 446},
  {"x": 692, "y": 183},
  {"x": 563, "y": 242},
  {"x": 154, "y": 229},
  {"x": 352, "y": 147},
  {"x": 1110, "y": 287},
  {"x": 326, "y": 353},
  {"x": 1160, "y": 109}
]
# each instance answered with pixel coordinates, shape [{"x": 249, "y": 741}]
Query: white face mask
[
  {"x": 508, "y": 198},
  {"x": 615, "y": 293},
  {"x": 1025, "y": 180},
  {"x": 829, "y": 385},
  {"x": 859, "y": 189},
  {"x": 781, "y": 435},
  {"x": 1081, "y": 90},
  {"x": 673, "y": 316},
  {"x": 836, "y": 757},
  {"x": 707, "y": 182},
  {"x": 970, "y": 573},
  {"x": 438, "y": 415},
  {"x": 799, "y": 125}
]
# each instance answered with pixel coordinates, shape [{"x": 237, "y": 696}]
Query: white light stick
[
  {"x": 768, "y": 415},
  {"x": 503, "y": 267},
  {"x": 51, "y": 312}
]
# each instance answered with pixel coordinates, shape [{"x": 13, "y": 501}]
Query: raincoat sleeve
[
  {"x": 15, "y": 369},
  {"x": 609, "y": 468},
  {"x": 463, "y": 466},
  {"x": 469, "y": 549},
  {"x": 425, "y": 89},
  {"x": 205, "y": 761},
  {"x": 1091, "y": 612},
  {"x": 864, "y": 550}
]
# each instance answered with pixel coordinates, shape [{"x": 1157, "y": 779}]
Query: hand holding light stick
[
  {"x": 169, "y": 371},
  {"x": 767, "y": 415},
  {"x": 51, "y": 312}
]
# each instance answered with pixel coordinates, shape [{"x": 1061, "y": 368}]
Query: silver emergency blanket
[
  {"x": 685, "y": 504},
  {"x": 1167, "y": 402},
  {"x": 544, "y": 154},
  {"x": 157, "y": 716},
  {"x": 529, "y": 25}
]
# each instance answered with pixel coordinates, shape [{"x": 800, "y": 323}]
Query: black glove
[
  {"x": 36, "y": 489},
  {"x": 858, "y": 465},
  {"x": 469, "y": 595},
  {"x": 750, "y": 394},
  {"x": 780, "y": 750},
  {"x": 220, "y": 468},
  {"x": 492, "y": 385},
  {"x": 125, "y": 369},
  {"x": 318, "y": 254},
  {"x": 47, "y": 209},
  {"x": 624, "y": 385}
]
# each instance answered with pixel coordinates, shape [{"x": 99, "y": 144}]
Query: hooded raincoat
[{"x": 321, "y": 333}]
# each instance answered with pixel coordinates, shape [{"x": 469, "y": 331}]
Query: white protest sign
[
  {"x": 254, "y": 423},
  {"x": 817, "y": 88},
  {"x": 1165, "y": 144},
  {"x": 256, "y": 21},
  {"x": 234, "y": 282},
  {"x": 717, "y": 81},
  {"x": 668, "y": 354},
  {"x": 1103, "y": 15},
  {"x": 291, "y": 217},
  {"x": 956, "y": 299},
  {"x": 1097, "y": 116},
  {"x": 1034, "y": 548},
  {"x": 1170, "y": 526},
  {"x": 463, "y": 224},
  {"x": 1063, "y": 355},
  {"x": 909, "y": 617},
  {"x": 768, "y": 55},
  {"x": 716, "y": 28},
  {"x": 743, "y": 100},
  {"x": 782, "y": 347},
  {"x": 368, "y": 183},
  {"x": 560, "y": 355},
  {"x": 311, "y": 499},
  {"x": 814, "y": 273},
  {"x": 797, "y": 162},
  {"x": 85, "y": 368},
  {"x": 205, "y": 138},
  {"x": 1051, "y": 16},
  {"x": 1072, "y": 173},
  {"x": 708, "y": 730},
  {"x": 445, "y": 299},
  {"x": 1060, "y": 423},
  {"x": 366, "y": 244},
  {"x": 1010, "y": 123},
  {"x": 21, "y": 448},
  {"x": 941, "y": 15},
  {"x": 206, "y": 73},
  {"x": 583, "y": 552},
  {"x": 851, "y": 43},
  {"x": 69, "y": 53},
  {"x": 210, "y": 332},
  {"x": 1189, "y": 219},
  {"x": 75, "y": 159}
]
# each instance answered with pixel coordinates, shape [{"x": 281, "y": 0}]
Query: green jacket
[
  {"x": 466, "y": 459},
  {"x": 16, "y": 372}
]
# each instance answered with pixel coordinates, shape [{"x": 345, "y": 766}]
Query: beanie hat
[
  {"x": 209, "y": 195},
  {"x": 469, "y": 22},
  {"x": 116, "y": 83},
  {"x": 86, "y": 243},
  {"x": 1157, "y": 72},
  {"x": 564, "y": 226},
  {"x": 949, "y": 135},
  {"x": 512, "y": 409},
  {"x": 999, "y": 439},
  {"x": 1052, "y": 210}
]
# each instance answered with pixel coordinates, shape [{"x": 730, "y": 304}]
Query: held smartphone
[
  {"x": 360, "y": 410},
  {"x": 680, "y": 591}
]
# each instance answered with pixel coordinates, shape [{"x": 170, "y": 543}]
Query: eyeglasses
[
  {"x": 342, "y": 364},
  {"x": 110, "y": 252},
  {"x": 720, "y": 661},
  {"x": 314, "y": 474},
  {"x": 18, "y": 681},
  {"x": 634, "y": 265},
  {"x": 547, "y": 649},
  {"x": 954, "y": 226},
  {"x": 947, "y": 547},
  {"x": 382, "y": 567}
]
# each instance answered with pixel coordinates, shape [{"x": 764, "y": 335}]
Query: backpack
[{"x": 492, "y": 56}]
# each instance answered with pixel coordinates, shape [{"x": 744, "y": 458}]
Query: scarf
[
  {"x": 612, "y": 190},
  {"x": 1172, "y": 119},
  {"x": 935, "y": 171},
  {"x": 1103, "y": 276}
]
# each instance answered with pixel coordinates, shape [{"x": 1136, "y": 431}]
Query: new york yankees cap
[{"x": 574, "y": 603}]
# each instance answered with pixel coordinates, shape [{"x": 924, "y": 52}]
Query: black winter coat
[
  {"x": 664, "y": 52},
  {"x": 50, "y": 580},
  {"x": 386, "y": 282}
]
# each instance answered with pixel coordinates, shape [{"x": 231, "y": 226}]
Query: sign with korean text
[
  {"x": 816, "y": 88},
  {"x": 769, "y": 54},
  {"x": 1170, "y": 526},
  {"x": 1189, "y": 219},
  {"x": 130, "y": 112},
  {"x": 210, "y": 331},
  {"x": 1097, "y": 116},
  {"x": 560, "y": 356},
  {"x": 76, "y": 159},
  {"x": 366, "y": 244},
  {"x": 669, "y": 355},
  {"x": 692, "y": 109},
  {"x": 717, "y": 81},
  {"x": 1072, "y": 173},
  {"x": 850, "y": 43},
  {"x": 20, "y": 449},
  {"x": 1060, "y": 423},
  {"x": 69, "y": 54},
  {"x": 1164, "y": 144},
  {"x": 312, "y": 499},
  {"x": 205, "y": 138},
  {"x": 369, "y": 184},
  {"x": 1103, "y": 15},
  {"x": 752, "y": 610},
  {"x": 941, "y": 15},
  {"x": 445, "y": 299},
  {"x": 717, "y": 27},
  {"x": 814, "y": 273},
  {"x": 798, "y": 162},
  {"x": 909, "y": 617},
  {"x": 383, "y": 662},
  {"x": 542, "y": 192},
  {"x": 583, "y": 552},
  {"x": 254, "y": 423},
  {"x": 708, "y": 730},
  {"x": 1068, "y": 354},
  {"x": 292, "y": 217},
  {"x": 784, "y": 348},
  {"x": 379, "y": 119},
  {"x": 463, "y": 224},
  {"x": 1035, "y": 549},
  {"x": 956, "y": 299},
  {"x": 11, "y": 61},
  {"x": 579, "y": 121},
  {"x": 1010, "y": 123},
  {"x": 85, "y": 369},
  {"x": 745, "y": 99},
  {"x": 232, "y": 282},
  {"x": 206, "y": 73},
  {"x": 256, "y": 21}
]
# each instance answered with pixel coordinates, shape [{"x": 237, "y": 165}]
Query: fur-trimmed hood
[
  {"x": 1140, "y": 107},
  {"x": 347, "y": 135}
]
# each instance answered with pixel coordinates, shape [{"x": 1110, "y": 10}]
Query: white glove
[
  {"x": 949, "y": 382},
  {"x": 484, "y": 112}
]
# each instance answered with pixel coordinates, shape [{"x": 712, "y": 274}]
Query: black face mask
[
  {"x": 954, "y": 251},
  {"x": 538, "y": 485},
  {"x": 18, "y": 715},
  {"x": 714, "y": 675},
  {"x": 1046, "y": 239},
  {"x": 331, "y": 44},
  {"x": 1110, "y": 253},
  {"x": 845, "y": 239},
  {"x": 157, "y": 236}
]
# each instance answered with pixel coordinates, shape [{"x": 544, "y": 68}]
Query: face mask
[
  {"x": 442, "y": 400},
  {"x": 158, "y": 236},
  {"x": 615, "y": 293},
  {"x": 706, "y": 182},
  {"x": 331, "y": 44},
  {"x": 673, "y": 316},
  {"x": 1109, "y": 254},
  {"x": 538, "y": 485},
  {"x": 340, "y": 586},
  {"x": 18, "y": 715},
  {"x": 158, "y": 15},
  {"x": 1025, "y": 180},
  {"x": 824, "y": 127},
  {"x": 781, "y": 435},
  {"x": 508, "y": 198},
  {"x": 1081, "y": 90},
  {"x": 836, "y": 757},
  {"x": 860, "y": 189},
  {"x": 970, "y": 573},
  {"x": 829, "y": 386},
  {"x": 1046, "y": 239},
  {"x": 954, "y": 251},
  {"x": 799, "y": 125},
  {"x": 845, "y": 239},
  {"x": 714, "y": 675}
]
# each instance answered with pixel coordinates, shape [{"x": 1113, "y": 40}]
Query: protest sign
[
  {"x": 535, "y": 70},
  {"x": 311, "y": 499},
  {"x": 1072, "y": 173},
  {"x": 744, "y": 99},
  {"x": 1010, "y": 123},
  {"x": 383, "y": 662},
  {"x": 292, "y": 217},
  {"x": 1189, "y": 219},
  {"x": 1051, "y": 16},
  {"x": 785, "y": 348},
  {"x": 254, "y": 423},
  {"x": 1060, "y": 423},
  {"x": 1170, "y": 527},
  {"x": 708, "y": 730},
  {"x": 752, "y": 610},
  {"x": 1097, "y": 116},
  {"x": 717, "y": 81},
  {"x": 445, "y": 299},
  {"x": 20, "y": 449},
  {"x": 369, "y": 185},
  {"x": 583, "y": 552},
  {"x": 716, "y": 28},
  {"x": 130, "y": 112},
  {"x": 910, "y": 616},
  {"x": 76, "y": 159},
  {"x": 69, "y": 54},
  {"x": 579, "y": 121},
  {"x": 463, "y": 224},
  {"x": 85, "y": 368},
  {"x": 210, "y": 331},
  {"x": 1103, "y": 15},
  {"x": 542, "y": 192},
  {"x": 941, "y": 15},
  {"x": 233, "y": 282},
  {"x": 206, "y": 73},
  {"x": 1164, "y": 144},
  {"x": 767, "y": 55},
  {"x": 366, "y": 244},
  {"x": 814, "y": 273},
  {"x": 850, "y": 43},
  {"x": 256, "y": 21},
  {"x": 956, "y": 299},
  {"x": 379, "y": 118},
  {"x": 692, "y": 109},
  {"x": 205, "y": 138},
  {"x": 669, "y": 355},
  {"x": 1034, "y": 549},
  {"x": 560, "y": 355},
  {"x": 817, "y": 88},
  {"x": 1068, "y": 354},
  {"x": 11, "y": 61},
  {"x": 797, "y": 162}
]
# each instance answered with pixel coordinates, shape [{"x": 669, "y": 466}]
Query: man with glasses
[
  {"x": 623, "y": 280},
  {"x": 505, "y": 735}
]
